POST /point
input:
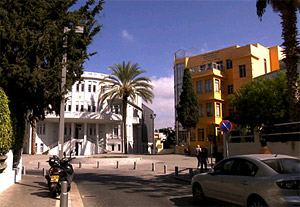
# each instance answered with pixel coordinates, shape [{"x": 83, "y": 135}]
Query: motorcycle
[{"x": 60, "y": 170}]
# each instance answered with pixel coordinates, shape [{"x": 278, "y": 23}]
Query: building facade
[
  {"x": 216, "y": 75},
  {"x": 91, "y": 128}
]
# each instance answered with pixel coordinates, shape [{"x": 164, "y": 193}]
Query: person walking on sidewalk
[
  {"x": 198, "y": 151},
  {"x": 203, "y": 158}
]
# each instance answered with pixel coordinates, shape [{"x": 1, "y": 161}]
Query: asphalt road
[{"x": 130, "y": 188}]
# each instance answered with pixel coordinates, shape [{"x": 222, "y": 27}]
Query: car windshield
[{"x": 284, "y": 166}]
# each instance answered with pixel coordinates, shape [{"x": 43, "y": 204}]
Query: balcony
[{"x": 210, "y": 69}]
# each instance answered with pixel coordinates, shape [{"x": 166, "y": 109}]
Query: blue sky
[{"x": 150, "y": 32}]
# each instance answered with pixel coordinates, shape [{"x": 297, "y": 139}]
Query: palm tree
[
  {"x": 125, "y": 84},
  {"x": 288, "y": 13}
]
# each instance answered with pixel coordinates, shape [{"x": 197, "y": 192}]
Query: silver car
[{"x": 251, "y": 180}]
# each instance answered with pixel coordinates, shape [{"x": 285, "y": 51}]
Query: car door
[
  {"x": 238, "y": 183},
  {"x": 218, "y": 185}
]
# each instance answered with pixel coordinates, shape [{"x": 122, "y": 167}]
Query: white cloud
[
  {"x": 126, "y": 35},
  {"x": 163, "y": 102}
]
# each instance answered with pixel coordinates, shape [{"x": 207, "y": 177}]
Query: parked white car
[{"x": 251, "y": 180}]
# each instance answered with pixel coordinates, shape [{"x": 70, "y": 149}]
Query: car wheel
[
  {"x": 198, "y": 194},
  {"x": 257, "y": 202}
]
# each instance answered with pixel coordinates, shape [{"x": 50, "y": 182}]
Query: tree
[
  {"x": 125, "y": 83},
  {"x": 288, "y": 13},
  {"x": 33, "y": 43},
  {"x": 262, "y": 101},
  {"x": 188, "y": 109},
  {"x": 5, "y": 124}
]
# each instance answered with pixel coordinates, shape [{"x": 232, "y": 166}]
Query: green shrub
[{"x": 5, "y": 124}]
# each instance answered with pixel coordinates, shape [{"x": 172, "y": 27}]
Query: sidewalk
[{"x": 32, "y": 189}]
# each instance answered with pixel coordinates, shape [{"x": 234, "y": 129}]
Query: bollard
[
  {"x": 165, "y": 169},
  {"x": 16, "y": 174},
  {"x": 44, "y": 172},
  {"x": 117, "y": 164},
  {"x": 176, "y": 170},
  {"x": 24, "y": 170},
  {"x": 39, "y": 164},
  {"x": 79, "y": 164},
  {"x": 134, "y": 166},
  {"x": 98, "y": 164},
  {"x": 153, "y": 166},
  {"x": 191, "y": 172},
  {"x": 64, "y": 194}
]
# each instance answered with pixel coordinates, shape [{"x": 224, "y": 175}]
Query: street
[{"x": 130, "y": 188}]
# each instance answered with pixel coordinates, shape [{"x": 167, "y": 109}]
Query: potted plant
[{"x": 5, "y": 130}]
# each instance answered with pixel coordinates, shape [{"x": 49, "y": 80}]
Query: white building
[{"x": 91, "y": 128}]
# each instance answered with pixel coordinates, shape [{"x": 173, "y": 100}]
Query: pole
[
  {"x": 225, "y": 143},
  {"x": 64, "y": 194},
  {"x": 78, "y": 29},
  {"x": 62, "y": 104}
]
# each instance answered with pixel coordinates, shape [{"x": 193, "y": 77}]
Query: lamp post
[{"x": 62, "y": 103}]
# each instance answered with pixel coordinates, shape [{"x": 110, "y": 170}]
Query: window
[
  {"x": 192, "y": 69},
  {"x": 81, "y": 108},
  {"x": 220, "y": 65},
  {"x": 209, "y": 109},
  {"x": 265, "y": 64},
  {"x": 218, "y": 109},
  {"x": 208, "y": 85},
  {"x": 217, "y": 85},
  {"x": 112, "y": 147},
  {"x": 77, "y": 87},
  {"x": 245, "y": 168},
  {"x": 193, "y": 136},
  {"x": 119, "y": 147},
  {"x": 223, "y": 110},
  {"x": 116, "y": 109},
  {"x": 199, "y": 85},
  {"x": 41, "y": 129},
  {"x": 69, "y": 107},
  {"x": 42, "y": 148},
  {"x": 284, "y": 166},
  {"x": 230, "y": 89},
  {"x": 116, "y": 132},
  {"x": 89, "y": 108},
  {"x": 201, "y": 134},
  {"x": 224, "y": 168},
  {"x": 82, "y": 87},
  {"x": 94, "y": 88},
  {"x": 201, "y": 113},
  {"x": 202, "y": 67},
  {"x": 222, "y": 86},
  {"x": 77, "y": 107},
  {"x": 93, "y": 108},
  {"x": 89, "y": 88},
  {"x": 211, "y": 65},
  {"x": 229, "y": 64},
  {"x": 242, "y": 71}
]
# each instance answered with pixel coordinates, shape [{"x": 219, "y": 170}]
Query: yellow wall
[{"x": 253, "y": 56}]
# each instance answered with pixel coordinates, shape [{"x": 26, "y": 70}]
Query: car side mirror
[{"x": 212, "y": 172}]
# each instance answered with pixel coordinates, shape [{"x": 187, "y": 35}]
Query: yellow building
[{"x": 216, "y": 75}]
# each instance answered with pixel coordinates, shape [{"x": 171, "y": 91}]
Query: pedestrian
[
  {"x": 203, "y": 158},
  {"x": 264, "y": 149},
  {"x": 198, "y": 151}
]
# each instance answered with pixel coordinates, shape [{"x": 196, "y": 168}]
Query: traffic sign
[{"x": 225, "y": 126}]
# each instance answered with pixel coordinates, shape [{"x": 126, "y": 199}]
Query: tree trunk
[
  {"x": 124, "y": 122},
  {"x": 33, "y": 148},
  {"x": 289, "y": 34}
]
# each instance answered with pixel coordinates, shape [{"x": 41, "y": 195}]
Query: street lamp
[{"x": 78, "y": 29}]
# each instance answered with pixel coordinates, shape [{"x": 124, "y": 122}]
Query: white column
[
  {"x": 84, "y": 138},
  {"x": 72, "y": 136},
  {"x": 97, "y": 139}
]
